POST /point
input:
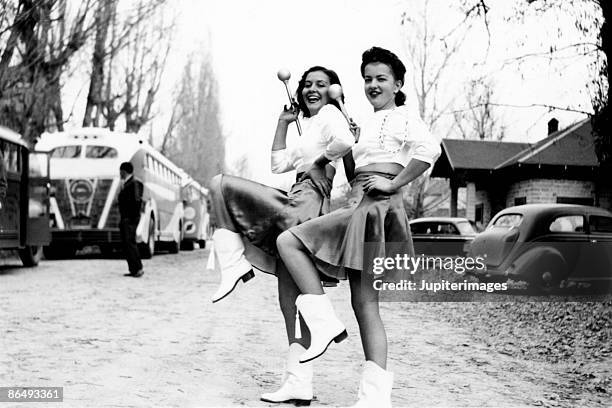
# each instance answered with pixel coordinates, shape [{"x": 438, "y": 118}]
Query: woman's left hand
[{"x": 380, "y": 184}]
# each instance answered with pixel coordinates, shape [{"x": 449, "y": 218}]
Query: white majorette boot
[
  {"x": 229, "y": 250},
  {"x": 375, "y": 387},
  {"x": 322, "y": 322},
  {"x": 297, "y": 382}
]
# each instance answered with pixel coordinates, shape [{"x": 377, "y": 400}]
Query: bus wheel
[
  {"x": 202, "y": 243},
  {"x": 147, "y": 249},
  {"x": 30, "y": 255}
]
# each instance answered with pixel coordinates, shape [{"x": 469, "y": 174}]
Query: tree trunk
[{"x": 94, "y": 97}]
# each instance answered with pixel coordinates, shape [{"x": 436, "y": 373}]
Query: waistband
[{"x": 363, "y": 174}]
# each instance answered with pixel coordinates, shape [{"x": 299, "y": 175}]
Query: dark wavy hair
[
  {"x": 378, "y": 54},
  {"x": 333, "y": 79}
]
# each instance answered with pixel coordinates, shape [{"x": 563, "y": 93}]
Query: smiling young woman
[
  {"x": 252, "y": 214},
  {"x": 394, "y": 148}
]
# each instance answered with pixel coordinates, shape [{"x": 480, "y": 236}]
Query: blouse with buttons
[{"x": 395, "y": 136}]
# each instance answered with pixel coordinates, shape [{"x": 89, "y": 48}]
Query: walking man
[{"x": 130, "y": 201}]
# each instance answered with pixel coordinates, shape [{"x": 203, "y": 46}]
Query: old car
[
  {"x": 546, "y": 244},
  {"x": 444, "y": 236}
]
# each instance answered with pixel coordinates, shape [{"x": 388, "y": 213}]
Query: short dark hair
[
  {"x": 127, "y": 167},
  {"x": 333, "y": 79},
  {"x": 378, "y": 54}
]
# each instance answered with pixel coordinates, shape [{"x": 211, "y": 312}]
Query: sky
[{"x": 249, "y": 41}]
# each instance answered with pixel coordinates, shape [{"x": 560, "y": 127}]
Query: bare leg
[
  {"x": 299, "y": 264},
  {"x": 287, "y": 294},
  {"x": 364, "y": 299}
]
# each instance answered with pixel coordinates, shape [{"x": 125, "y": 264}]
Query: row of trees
[{"x": 120, "y": 47}]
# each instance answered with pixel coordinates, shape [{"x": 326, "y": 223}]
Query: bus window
[
  {"x": 66, "y": 152},
  {"x": 6, "y": 155},
  {"x": 149, "y": 162},
  {"x": 100, "y": 152},
  {"x": 14, "y": 160}
]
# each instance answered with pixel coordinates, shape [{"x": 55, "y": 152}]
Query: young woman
[
  {"x": 394, "y": 148},
  {"x": 255, "y": 214}
]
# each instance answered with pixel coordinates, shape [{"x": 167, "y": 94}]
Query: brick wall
[
  {"x": 547, "y": 191},
  {"x": 482, "y": 197}
]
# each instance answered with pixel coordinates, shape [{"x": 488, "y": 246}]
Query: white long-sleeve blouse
[
  {"x": 395, "y": 136},
  {"x": 326, "y": 133}
]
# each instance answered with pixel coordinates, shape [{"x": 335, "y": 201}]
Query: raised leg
[
  {"x": 313, "y": 304},
  {"x": 299, "y": 264}
]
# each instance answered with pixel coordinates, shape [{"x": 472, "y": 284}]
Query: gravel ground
[{"x": 113, "y": 341}]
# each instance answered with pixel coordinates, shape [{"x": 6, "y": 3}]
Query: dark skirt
[
  {"x": 260, "y": 213},
  {"x": 350, "y": 237}
]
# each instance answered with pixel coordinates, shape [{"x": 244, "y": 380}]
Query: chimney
[{"x": 553, "y": 126}]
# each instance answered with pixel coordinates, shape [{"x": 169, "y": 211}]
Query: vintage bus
[
  {"x": 84, "y": 169},
  {"x": 24, "y": 216},
  {"x": 195, "y": 217}
]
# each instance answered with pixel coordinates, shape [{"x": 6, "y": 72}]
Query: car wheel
[
  {"x": 202, "y": 243},
  {"x": 548, "y": 274}
]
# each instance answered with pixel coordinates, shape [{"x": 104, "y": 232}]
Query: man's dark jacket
[{"x": 130, "y": 200}]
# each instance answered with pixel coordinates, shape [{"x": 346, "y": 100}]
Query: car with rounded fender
[{"x": 546, "y": 244}]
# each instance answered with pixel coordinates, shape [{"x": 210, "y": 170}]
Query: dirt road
[{"x": 114, "y": 341}]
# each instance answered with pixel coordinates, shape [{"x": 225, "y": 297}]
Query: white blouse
[
  {"x": 326, "y": 133},
  {"x": 395, "y": 136}
]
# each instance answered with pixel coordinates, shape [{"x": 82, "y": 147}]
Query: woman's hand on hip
[
  {"x": 379, "y": 183},
  {"x": 318, "y": 177}
]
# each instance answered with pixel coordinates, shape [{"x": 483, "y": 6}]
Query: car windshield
[
  {"x": 508, "y": 221},
  {"x": 465, "y": 228}
]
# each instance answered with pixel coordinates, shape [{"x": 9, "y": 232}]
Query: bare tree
[
  {"x": 39, "y": 39},
  {"x": 591, "y": 25},
  {"x": 432, "y": 48},
  {"x": 127, "y": 67},
  {"x": 480, "y": 120},
  {"x": 195, "y": 138}
]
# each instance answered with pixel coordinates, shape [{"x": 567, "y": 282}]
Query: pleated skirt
[
  {"x": 260, "y": 213},
  {"x": 350, "y": 237}
]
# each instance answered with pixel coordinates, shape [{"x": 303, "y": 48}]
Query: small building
[{"x": 562, "y": 168}]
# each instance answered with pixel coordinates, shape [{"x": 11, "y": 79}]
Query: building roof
[
  {"x": 479, "y": 154},
  {"x": 572, "y": 146}
]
